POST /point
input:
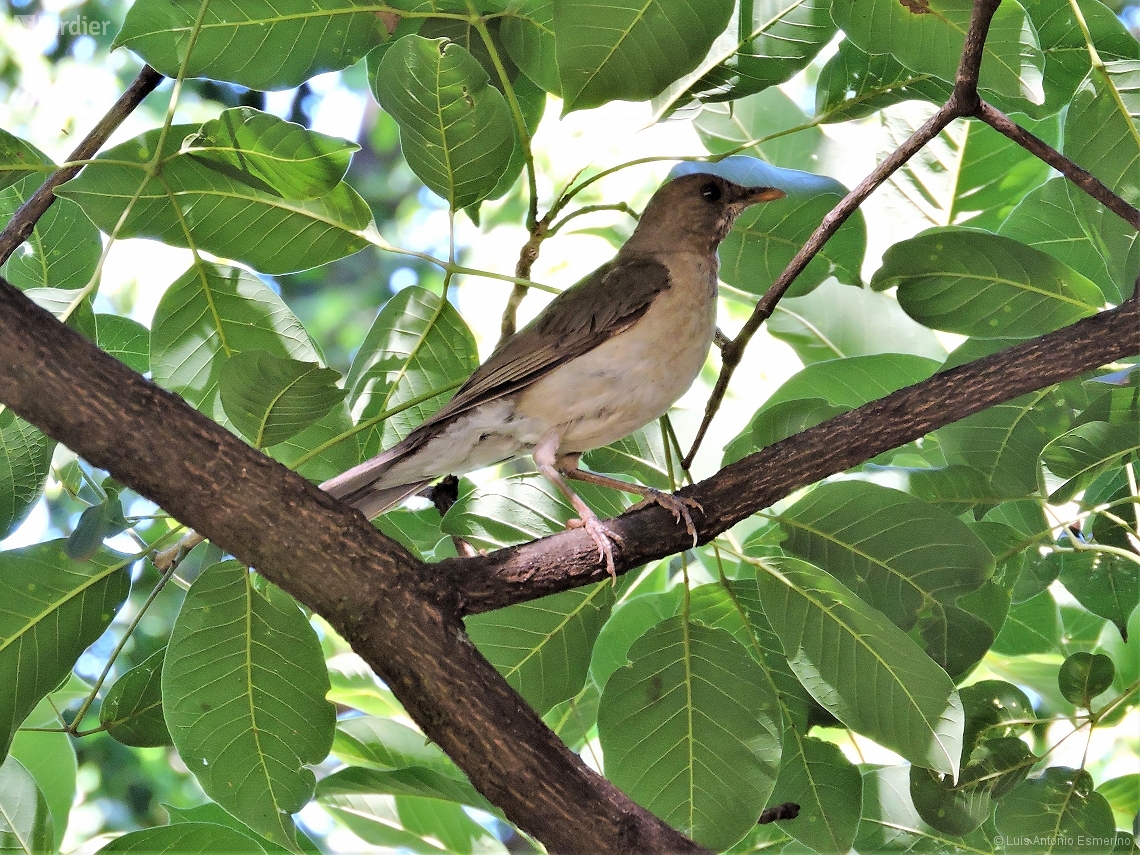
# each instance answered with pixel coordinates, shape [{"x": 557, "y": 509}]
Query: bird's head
[{"x": 696, "y": 208}]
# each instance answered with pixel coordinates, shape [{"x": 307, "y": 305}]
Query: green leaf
[
  {"x": 25, "y": 820},
  {"x": 854, "y": 84},
  {"x": 574, "y": 720},
  {"x": 1054, "y": 809},
  {"x": 292, "y": 160},
  {"x": 455, "y": 129},
  {"x": 860, "y": 667},
  {"x": 951, "y": 809},
  {"x": 994, "y": 709},
  {"x": 383, "y": 744},
  {"x": 1102, "y": 127},
  {"x": 928, "y": 36},
  {"x": 63, "y": 249},
  {"x": 132, "y": 710},
  {"x": 1005, "y": 441},
  {"x": 260, "y": 45},
  {"x": 206, "y": 316},
  {"x": 1080, "y": 455},
  {"x": 628, "y": 623},
  {"x": 980, "y": 284},
  {"x": 25, "y": 459},
  {"x": 835, "y": 321},
  {"x": 125, "y": 339},
  {"x": 183, "y": 838},
  {"x": 95, "y": 524},
  {"x": 244, "y": 687},
  {"x": 1083, "y": 676},
  {"x": 418, "y": 345},
  {"x": 54, "y": 608},
  {"x": 332, "y": 434},
  {"x": 50, "y": 758},
  {"x": 768, "y": 125},
  {"x": 528, "y": 35},
  {"x": 1123, "y": 794},
  {"x": 354, "y": 685},
  {"x": 855, "y": 380},
  {"x": 691, "y": 730},
  {"x": 766, "y": 43},
  {"x": 641, "y": 454},
  {"x": 772, "y": 424},
  {"x": 407, "y": 810},
  {"x": 194, "y": 202},
  {"x": 643, "y": 47},
  {"x": 1079, "y": 232},
  {"x": 543, "y": 648},
  {"x": 1106, "y": 584},
  {"x": 899, "y": 554},
  {"x": 816, "y": 776},
  {"x": 1033, "y": 626},
  {"x": 19, "y": 159},
  {"x": 270, "y": 399},
  {"x": 954, "y": 488}
]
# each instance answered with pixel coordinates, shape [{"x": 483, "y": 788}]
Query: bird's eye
[{"x": 710, "y": 192}]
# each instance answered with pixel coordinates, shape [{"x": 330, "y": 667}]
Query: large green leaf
[
  {"x": 1106, "y": 584},
  {"x": 50, "y": 758},
  {"x": 197, "y": 202},
  {"x": 767, "y": 42},
  {"x": 860, "y": 667},
  {"x": 25, "y": 820},
  {"x": 898, "y": 553},
  {"x": 294, "y": 161},
  {"x": 1078, "y": 231},
  {"x": 270, "y": 399},
  {"x": 984, "y": 285},
  {"x": 691, "y": 730},
  {"x": 853, "y": 84},
  {"x": 543, "y": 647},
  {"x": 528, "y": 35},
  {"x": 855, "y": 380},
  {"x": 54, "y": 608},
  {"x": 632, "y": 619},
  {"x": 418, "y": 345},
  {"x": 642, "y": 47},
  {"x": 19, "y": 159},
  {"x": 455, "y": 129},
  {"x": 25, "y": 458},
  {"x": 125, "y": 339},
  {"x": 205, "y": 317},
  {"x": 1058, "y": 807},
  {"x": 928, "y": 36},
  {"x": 384, "y": 744},
  {"x": 259, "y": 44},
  {"x": 1102, "y": 127},
  {"x": 244, "y": 686}
]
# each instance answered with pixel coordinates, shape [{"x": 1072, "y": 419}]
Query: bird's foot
[
  {"x": 678, "y": 506},
  {"x": 604, "y": 538}
]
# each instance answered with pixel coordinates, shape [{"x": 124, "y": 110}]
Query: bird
[{"x": 607, "y": 356}]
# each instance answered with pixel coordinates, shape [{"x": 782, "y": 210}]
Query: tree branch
[
  {"x": 386, "y": 604},
  {"x": 570, "y": 559},
  {"x": 25, "y": 219}
]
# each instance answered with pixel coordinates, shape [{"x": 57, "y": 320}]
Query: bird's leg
[
  {"x": 678, "y": 506},
  {"x": 545, "y": 457}
]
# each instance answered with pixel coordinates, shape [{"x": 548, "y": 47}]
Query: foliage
[{"x": 960, "y": 601}]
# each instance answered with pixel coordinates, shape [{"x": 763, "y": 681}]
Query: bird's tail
[{"x": 364, "y": 486}]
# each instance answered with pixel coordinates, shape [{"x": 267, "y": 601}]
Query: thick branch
[
  {"x": 756, "y": 482},
  {"x": 385, "y": 603},
  {"x": 25, "y": 219}
]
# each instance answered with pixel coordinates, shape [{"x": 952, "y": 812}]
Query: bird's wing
[{"x": 595, "y": 309}]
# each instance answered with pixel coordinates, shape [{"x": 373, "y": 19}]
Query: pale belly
[{"x": 630, "y": 380}]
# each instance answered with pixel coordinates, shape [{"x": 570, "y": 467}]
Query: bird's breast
[{"x": 635, "y": 376}]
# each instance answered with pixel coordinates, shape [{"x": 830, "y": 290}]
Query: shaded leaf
[{"x": 132, "y": 709}]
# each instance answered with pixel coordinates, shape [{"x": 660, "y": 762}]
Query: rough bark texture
[{"x": 386, "y": 604}]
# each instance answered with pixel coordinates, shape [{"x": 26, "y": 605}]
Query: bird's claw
[
  {"x": 604, "y": 538},
  {"x": 678, "y": 506}
]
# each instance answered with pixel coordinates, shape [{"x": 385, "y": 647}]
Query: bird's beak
[{"x": 763, "y": 194}]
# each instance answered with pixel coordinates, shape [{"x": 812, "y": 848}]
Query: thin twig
[
  {"x": 28, "y": 215},
  {"x": 1084, "y": 179}
]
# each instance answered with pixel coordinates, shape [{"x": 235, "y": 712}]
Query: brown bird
[{"x": 606, "y": 357}]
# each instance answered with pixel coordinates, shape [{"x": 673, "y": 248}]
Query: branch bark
[{"x": 384, "y": 602}]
